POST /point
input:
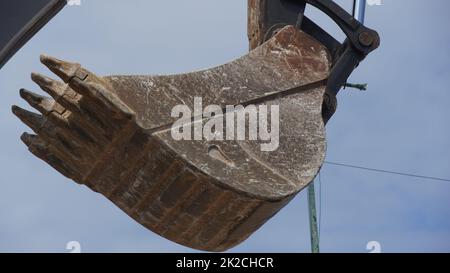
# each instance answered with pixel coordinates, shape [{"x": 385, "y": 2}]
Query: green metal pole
[{"x": 313, "y": 219}]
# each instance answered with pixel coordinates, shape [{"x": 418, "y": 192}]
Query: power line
[{"x": 386, "y": 171}]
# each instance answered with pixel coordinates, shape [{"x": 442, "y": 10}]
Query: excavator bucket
[
  {"x": 120, "y": 135},
  {"x": 114, "y": 134}
]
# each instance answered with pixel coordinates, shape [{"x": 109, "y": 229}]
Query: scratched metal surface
[{"x": 112, "y": 134}]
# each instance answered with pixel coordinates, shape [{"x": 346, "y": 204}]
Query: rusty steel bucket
[{"x": 113, "y": 134}]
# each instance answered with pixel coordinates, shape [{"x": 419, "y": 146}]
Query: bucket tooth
[
  {"x": 42, "y": 150},
  {"x": 41, "y": 103},
  {"x": 32, "y": 120},
  {"x": 50, "y": 86},
  {"x": 65, "y": 97},
  {"x": 65, "y": 70}
]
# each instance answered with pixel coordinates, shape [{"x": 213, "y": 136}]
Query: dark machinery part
[
  {"x": 359, "y": 43},
  {"x": 20, "y": 20}
]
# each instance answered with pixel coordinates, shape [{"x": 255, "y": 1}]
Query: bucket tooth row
[{"x": 76, "y": 123}]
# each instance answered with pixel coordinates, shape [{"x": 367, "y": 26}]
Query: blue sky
[{"x": 399, "y": 124}]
